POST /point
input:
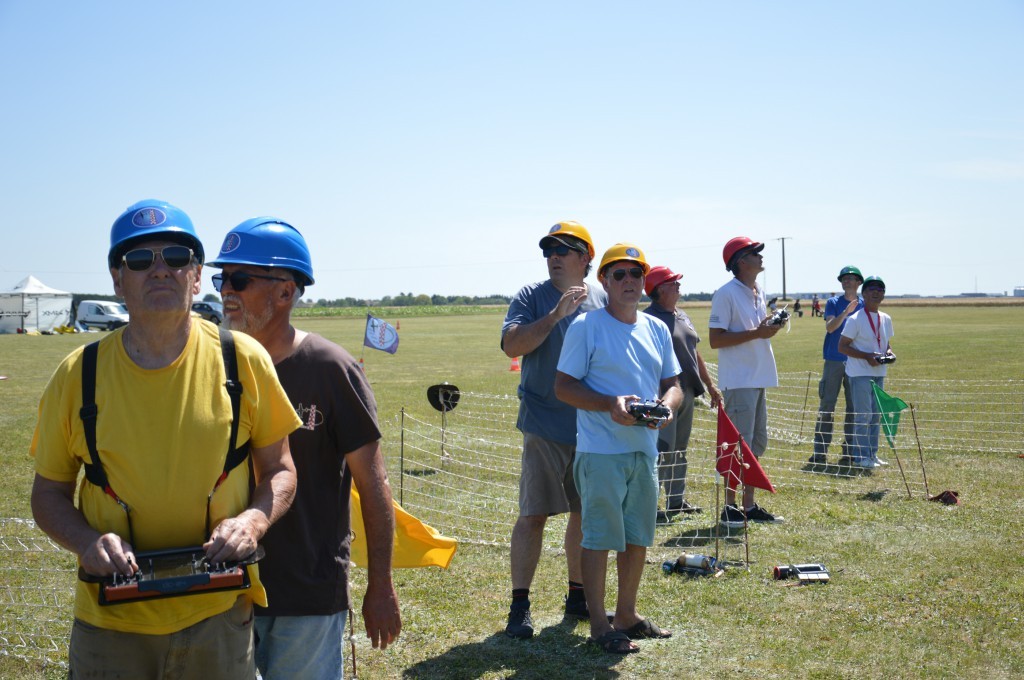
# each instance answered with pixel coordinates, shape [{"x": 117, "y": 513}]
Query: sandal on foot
[
  {"x": 615, "y": 642},
  {"x": 646, "y": 629}
]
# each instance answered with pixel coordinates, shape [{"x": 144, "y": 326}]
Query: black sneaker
[
  {"x": 732, "y": 517},
  {"x": 817, "y": 459},
  {"x": 520, "y": 624},
  {"x": 759, "y": 514},
  {"x": 844, "y": 461},
  {"x": 577, "y": 609}
]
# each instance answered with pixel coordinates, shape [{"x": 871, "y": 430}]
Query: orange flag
[
  {"x": 734, "y": 459},
  {"x": 416, "y": 544}
]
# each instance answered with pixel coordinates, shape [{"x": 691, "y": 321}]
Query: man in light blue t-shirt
[{"x": 611, "y": 358}]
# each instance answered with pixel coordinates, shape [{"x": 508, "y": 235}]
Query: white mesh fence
[{"x": 459, "y": 472}]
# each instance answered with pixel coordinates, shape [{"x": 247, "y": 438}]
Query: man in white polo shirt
[{"x": 740, "y": 329}]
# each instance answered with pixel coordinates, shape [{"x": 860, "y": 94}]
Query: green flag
[{"x": 890, "y": 408}]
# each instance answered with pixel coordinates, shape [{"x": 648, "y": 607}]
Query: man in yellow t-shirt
[{"x": 163, "y": 425}]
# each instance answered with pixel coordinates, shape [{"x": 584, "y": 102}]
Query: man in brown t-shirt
[{"x": 266, "y": 266}]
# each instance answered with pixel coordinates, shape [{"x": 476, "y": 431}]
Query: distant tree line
[
  {"x": 423, "y": 300},
  {"x": 400, "y": 300},
  {"x": 412, "y": 300}
]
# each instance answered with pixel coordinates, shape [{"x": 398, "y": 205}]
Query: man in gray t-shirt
[{"x": 534, "y": 328}]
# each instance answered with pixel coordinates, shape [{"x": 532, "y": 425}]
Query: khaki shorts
[
  {"x": 220, "y": 646},
  {"x": 546, "y": 486}
]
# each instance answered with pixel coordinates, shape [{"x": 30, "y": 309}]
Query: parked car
[
  {"x": 101, "y": 314},
  {"x": 211, "y": 311}
]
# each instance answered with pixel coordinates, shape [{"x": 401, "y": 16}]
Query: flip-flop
[
  {"x": 646, "y": 629},
  {"x": 615, "y": 642}
]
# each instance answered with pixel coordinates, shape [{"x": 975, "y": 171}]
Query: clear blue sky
[{"x": 426, "y": 147}]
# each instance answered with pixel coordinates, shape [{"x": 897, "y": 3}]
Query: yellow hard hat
[
  {"x": 570, "y": 228},
  {"x": 624, "y": 251}
]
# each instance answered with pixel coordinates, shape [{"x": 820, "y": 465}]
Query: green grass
[{"x": 918, "y": 589}]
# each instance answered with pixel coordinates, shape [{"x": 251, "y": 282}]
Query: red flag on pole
[{"x": 735, "y": 461}]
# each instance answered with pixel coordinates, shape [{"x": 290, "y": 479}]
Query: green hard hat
[
  {"x": 873, "y": 280},
  {"x": 850, "y": 269}
]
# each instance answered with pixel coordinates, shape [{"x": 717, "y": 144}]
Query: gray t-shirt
[
  {"x": 684, "y": 343},
  {"x": 540, "y": 411}
]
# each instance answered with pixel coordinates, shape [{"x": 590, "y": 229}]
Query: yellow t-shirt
[{"x": 162, "y": 436}]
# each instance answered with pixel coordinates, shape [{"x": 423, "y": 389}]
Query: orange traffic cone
[
  {"x": 515, "y": 364},
  {"x": 398, "y": 325}
]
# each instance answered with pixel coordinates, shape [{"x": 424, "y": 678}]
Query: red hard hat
[
  {"x": 737, "y": 244},
  {"x": 657, "y": 276}
]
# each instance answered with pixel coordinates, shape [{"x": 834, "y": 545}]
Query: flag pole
[
  {"x": 401, "y": 462},
  {"x": 920, "y": 453},
  {"x": 803, "y": 413},
  {"x": 904, "y": 475},
  {"x": 718, "y": 524},
  {"x": 746, "y": 534}
]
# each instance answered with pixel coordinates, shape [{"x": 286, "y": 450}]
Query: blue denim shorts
[
  {"x": 300, "y": 646},
  {"x": 619, "y": 495}
]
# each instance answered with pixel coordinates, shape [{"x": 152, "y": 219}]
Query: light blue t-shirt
[
  {"x": 615, "y": 358},
  {"x": 540, "y": 411}
]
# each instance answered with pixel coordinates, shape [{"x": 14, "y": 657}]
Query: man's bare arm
[
  {"x": 236, "y": 538},
  {"x": 380, "y": 604},
  {"x": 53, "y": 507}
]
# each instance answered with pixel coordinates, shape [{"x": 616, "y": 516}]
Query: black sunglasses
[
  {"x": 560, "y": 250},
  {"x": 634, "y": 272},
  {"x": 141, "y": 259},
  {"x": 240, "y": 280}
]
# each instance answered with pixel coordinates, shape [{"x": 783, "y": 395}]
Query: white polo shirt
[
  {"x": 870, "y": 333},
  {"x": 735, "y": 308}
]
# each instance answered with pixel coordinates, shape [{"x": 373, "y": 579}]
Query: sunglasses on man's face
[
  {"x": 141, "y": 259},
  {"x": 239, "y": 280},
  {"x": 560, "y": 250},
  {"x": 634, "y": 272}
]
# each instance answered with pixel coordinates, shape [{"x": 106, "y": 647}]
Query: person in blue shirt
[
  {"x": 534, "y": 328},
  {"x": 611, "y": 358},
  {"x": 833, "y": 375}
]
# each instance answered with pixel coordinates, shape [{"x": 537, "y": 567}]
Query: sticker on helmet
[
  {"x": 231, "y": 243},
  {"x": 632, "y": 252},
  {"x": 149, "y": 217},
  {"x": 557, "y": 227}
]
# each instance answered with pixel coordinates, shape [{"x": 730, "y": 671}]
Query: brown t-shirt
[{"x": 305, "y": 571}]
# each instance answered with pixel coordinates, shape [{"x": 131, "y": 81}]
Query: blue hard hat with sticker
[
  {"x": 148, "y": 220},
  {"x": 267, "y": 242}
]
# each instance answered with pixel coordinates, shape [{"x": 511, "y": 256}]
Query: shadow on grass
[
  {"x": 419, "y": 473},
  {"x": 835, "y": 470},
  {"x": 557, "y": 651},
  {"x": 703, "y": 536},
  {"x": 873, "y": 496}
]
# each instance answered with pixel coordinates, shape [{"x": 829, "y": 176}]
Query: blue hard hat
[
  {"x": 267, "y": 242},
  {"x": 151, "y": 219}
]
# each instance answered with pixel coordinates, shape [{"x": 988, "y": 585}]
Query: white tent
[{"x": 33, "y": 306}]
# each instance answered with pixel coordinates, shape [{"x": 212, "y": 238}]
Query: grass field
[{"x": 918, "y": 589}]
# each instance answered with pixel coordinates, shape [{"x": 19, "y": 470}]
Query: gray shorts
[
  {"x": 220, "y": 646},
  {"x": 546, "y": 486},
  {"x": 748, "y": 410}
]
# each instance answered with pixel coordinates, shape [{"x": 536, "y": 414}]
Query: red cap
[{"x": 659, "y": 275}]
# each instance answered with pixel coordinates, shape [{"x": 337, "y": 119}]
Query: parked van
[{"x": 101, "y": 314}]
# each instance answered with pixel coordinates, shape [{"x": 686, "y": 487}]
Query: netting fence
[{"x": 459, "y": 471}]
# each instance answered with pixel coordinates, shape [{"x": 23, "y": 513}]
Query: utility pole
[{"x": 783, "y": 239}]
